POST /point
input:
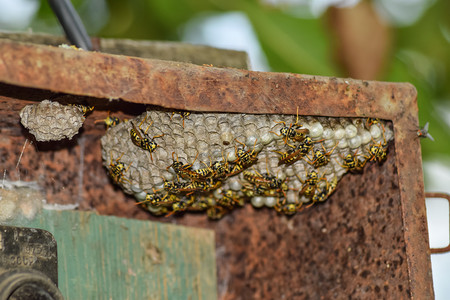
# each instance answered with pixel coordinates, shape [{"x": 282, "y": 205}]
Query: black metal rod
[{"x": 71, "y": 23}]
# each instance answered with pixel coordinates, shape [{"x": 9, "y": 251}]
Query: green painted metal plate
[{"x": 104, "y": 257}]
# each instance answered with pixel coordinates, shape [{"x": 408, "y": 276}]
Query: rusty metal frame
[
  {"x": 203, "y": 88},
  {"x": 446, "y": 197}
]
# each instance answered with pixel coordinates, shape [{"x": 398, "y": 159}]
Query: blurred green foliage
[{"x": 420, "y": 52}]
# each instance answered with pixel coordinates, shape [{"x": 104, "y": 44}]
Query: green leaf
[{"x": 292, "y": 44}]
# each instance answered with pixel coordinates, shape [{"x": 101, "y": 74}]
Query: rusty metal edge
[
  {"x": 446, "y": 197},
  {"x": 201, "y": 88},
  {"x": 164, "y": 50}
]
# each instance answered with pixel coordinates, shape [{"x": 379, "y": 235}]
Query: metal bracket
[
  {"x": 28, "y": 264},
  {"x": 447, "y": 197}
]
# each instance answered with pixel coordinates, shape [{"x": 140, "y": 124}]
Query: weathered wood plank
[{"x": 103, "y": 257}]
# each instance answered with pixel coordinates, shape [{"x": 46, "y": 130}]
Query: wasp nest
[
  {"x": 171, "y": 162},
  {"x": 20, "y": 198},
  {"x": 51, "y": 121}
]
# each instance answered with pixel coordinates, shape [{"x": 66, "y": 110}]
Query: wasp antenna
[
  {"x": 240, "y": 142},
  {"x": 339, "y": 163},
  {"x": 275, "y": 133},
  {"x": 299, "y": 178},
  {"x": 169, "y": 214},
  {"x": 151, "y": 123},
  {"x": 194, "y": 159},
  {"x": 281, "y": 122},
  {"x": 319, "y": 141},
  {"x": 151, "y": 156},
  {"x": 290, "y": 145},
  {"x": 329, "y": 153},
  {"x": 143, "y": 120}
]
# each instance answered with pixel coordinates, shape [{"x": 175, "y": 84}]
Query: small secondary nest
[
  {"x": 19, "y": 198},
  {"x": 52, "y": 121},
  {"x": 210, "y": 137}
]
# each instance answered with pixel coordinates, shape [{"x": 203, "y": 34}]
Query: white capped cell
[
  {"x": 328, "y": 133},
  {"x": 140, "y": 196},
  {"x": 289, "y": 171},
  {"x": 329, "y": 143},
  {"x": 339, "y": 133},
  {"x": 354, "y": 142},
  {"x": 252, "y": 140},
  {"x": 218, "y": 193},
  {"x": 270, "y": 201},
  {"x": 231, "y": 154},
  {"x": 257, "y": 201},
  {"x": 375, "y": 131},
  {"x": 267, "y": 138},
  {"x": 350, "y": 131},
  {"x": 315, "y": 130},
  {"x": 136, "y": 189},
  {"x": 366, "y": 137},
  {"x": 343, "y": 143},
  {"x": 235, "y": 184}
]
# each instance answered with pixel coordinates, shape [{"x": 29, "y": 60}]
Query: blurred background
[{"x": 387, "y": 40}]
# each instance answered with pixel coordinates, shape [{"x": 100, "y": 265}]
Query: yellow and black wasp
[
  {"x": 153, "y": 199},
  {"x": 173, "y": 187},
  {"x": 186, "y": 171},
  {"x": 244, "y": 159},
  {"x": 183, "y": 114},
  {"x": 293, "y": 131},
  {"x": 321, "y": 158},
  {"x": 202, "y": 203},
  {"x": 296, "y": 153},
  {"x": 216, "y": 212},
  {"x": 310, "y": 184},
  {"x": 181, "y": 205},
  {"x": 352, "y": 163},
  {"x": 372, "y": 121},
  {"x": 117, "y": 170},
  {"x": 85, "y": 109},
  {"x": 230, "y": 200},
  {"x": 331, "y": 186},
  {"x": 378, "y": 151},
  {"x": 142, "y": 140},
  {"x": 266, "y": 184},
  {"x": 288, "y": 209},
  {"x": 110, "y": 121},
  {"x": 319, "y": 196},
  {"x": 205, "y": 172},
  {"x": 220, "y": 168}
]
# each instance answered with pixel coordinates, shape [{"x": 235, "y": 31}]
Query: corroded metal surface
[
  {"x": 201, "y": 88},
  {"x": 173, "y": 51}
]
